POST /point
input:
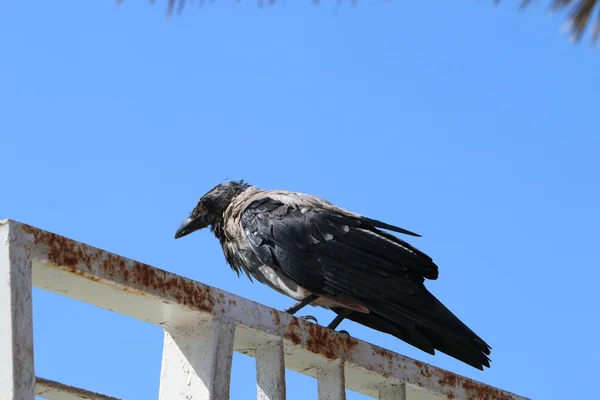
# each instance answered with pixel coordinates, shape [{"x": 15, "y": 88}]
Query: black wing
[{"x": 334, "y": 254}]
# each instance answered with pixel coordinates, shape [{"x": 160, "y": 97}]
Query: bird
[{"x": 317, "y": 253}]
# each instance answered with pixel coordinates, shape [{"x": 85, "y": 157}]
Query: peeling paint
[{"x": 157, "y": 288}]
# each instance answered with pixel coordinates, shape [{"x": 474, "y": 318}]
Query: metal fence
[{"x": 202, "y": 325}]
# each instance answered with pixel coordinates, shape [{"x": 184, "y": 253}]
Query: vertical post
[
  {"x": 270, "y": 371},
  {"x": 17, "y": 377},
  {"x": 196, "y": 362},
  {"x": 394, "y": 392},
  {"x": 331, "y": 382}
]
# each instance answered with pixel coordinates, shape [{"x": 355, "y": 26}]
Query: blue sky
[{"x": 469, "y": 124}]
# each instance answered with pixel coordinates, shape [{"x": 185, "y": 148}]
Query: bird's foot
[
  {"x": 301, "y": 304},
  {"x": 344, "y": 332},
  {"x": 310, "y": 318}
]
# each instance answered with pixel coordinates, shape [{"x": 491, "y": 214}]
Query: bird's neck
[
  {"x": 228, "y": 229},
  {"x": 218, "y": 229}
]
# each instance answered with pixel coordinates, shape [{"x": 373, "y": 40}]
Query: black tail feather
[
  {"x": 439, "y": 329},
  {"x": 383, "y": 225}
]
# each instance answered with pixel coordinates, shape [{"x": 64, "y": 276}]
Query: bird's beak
[{"x": 191, "y": 225}]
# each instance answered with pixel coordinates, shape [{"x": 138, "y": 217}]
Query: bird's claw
[
  {"x": 344, "y": 332},
  {"x": 310, "y": 318}
]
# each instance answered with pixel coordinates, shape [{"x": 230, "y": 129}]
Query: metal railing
[{"x": 202, "y": 327}]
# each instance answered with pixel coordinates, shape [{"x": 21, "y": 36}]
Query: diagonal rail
[{"x": 52, "y": 390}]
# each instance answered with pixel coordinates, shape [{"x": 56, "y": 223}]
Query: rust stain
[
  {"x": 295, "y": 323},
  {"x": 477, "y": 391},
  {"x": 276, "y": 318},
  {"x": 448, "y": 379},
  {"x": 292, "y": 337},
  {"x": 324, "y": 341},
  {"x": 387, "y": 356},
  {"x": 426, "y": 372},
  {"x": 473, "y": 390},
  {"x": 383, "y": 353},
  {"x": 351, "y": 343},
  {"x": 320, "y": 340},
  {"x": 95, "y": 264},
  {"x": 424, "y": 368},
  {"x": 293, "y": 330}
]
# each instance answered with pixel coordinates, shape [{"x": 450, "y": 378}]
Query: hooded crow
[{"x": 319, "y": 254}]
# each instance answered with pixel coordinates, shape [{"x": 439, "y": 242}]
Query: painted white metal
[
  {"x": 53, "y": 390},
  {"x": 331, "y": 383},
  {"x": 395, "y": 392},
  {"x": 270, "y": 371},
  {"x": 203, "y": 325},
  {"x": 197, "y": 361},
  {"x": 17, "y": 377}
]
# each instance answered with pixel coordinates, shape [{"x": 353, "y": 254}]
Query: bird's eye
[{"x": 204, "y": 202}]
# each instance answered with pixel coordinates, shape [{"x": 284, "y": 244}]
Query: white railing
[{"x": 203, "y": 326}]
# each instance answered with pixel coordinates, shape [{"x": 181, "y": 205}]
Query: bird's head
[{"x": 211, "y": 207}]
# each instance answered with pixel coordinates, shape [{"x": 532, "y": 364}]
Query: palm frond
[{"x": 580, "y": 15}]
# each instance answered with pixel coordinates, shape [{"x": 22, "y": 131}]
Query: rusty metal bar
[
  {"x": 53, "y": 390},
  {"x": 183, "y": 306}
]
